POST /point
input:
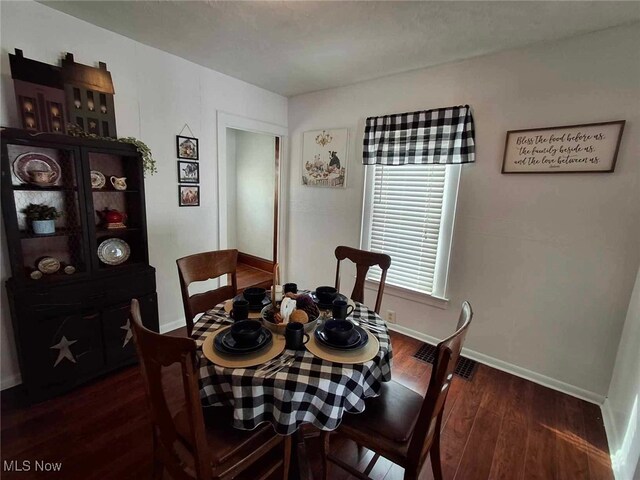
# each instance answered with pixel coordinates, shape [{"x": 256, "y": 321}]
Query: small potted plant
[{"x": 42, "y": 218}]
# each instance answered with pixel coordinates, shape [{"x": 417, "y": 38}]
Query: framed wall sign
[
  {"x": 588, "y": 148},
  {"x": 324, "y": 158}
]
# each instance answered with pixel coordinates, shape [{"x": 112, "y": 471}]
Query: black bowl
[
  {"x": 254, "y": 295},
  {"x": 338, "y": 331},
  {"x": 246, "y": 331},
  {"x": 326, "y": 295}
]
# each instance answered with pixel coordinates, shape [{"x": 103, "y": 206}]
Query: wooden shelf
[
  {"x": 60, "y": 232},
  {"x": 101, "y": 232},
  {"x": 128, "y": 265},
  {"x": 59, "y": 276},
  {"x": 33, "y": 188},
  {"x": 113, "y": 190}
]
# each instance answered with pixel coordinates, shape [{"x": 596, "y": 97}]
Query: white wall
[
  {"x": 547, "y": 261},
  {"x": 622, "y": 407},
  {"x": 156, "y": 94},
  {"x": 255, "y": 187}
]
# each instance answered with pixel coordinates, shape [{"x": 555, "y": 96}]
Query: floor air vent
[{"x": 465, "y": 368}]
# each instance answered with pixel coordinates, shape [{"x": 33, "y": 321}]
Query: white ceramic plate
[
  {"x": 97, "y": 179},
  {"x": 114, "y": 251}
]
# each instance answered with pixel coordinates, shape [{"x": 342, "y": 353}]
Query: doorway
[{"x": 250, "y": 200}]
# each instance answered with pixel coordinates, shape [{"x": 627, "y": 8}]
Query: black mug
[
  {"x": 295, "y": 336},
  {"x": 240, "y": 310},
  {"x": 290, "y": 288},
  {"x": 341, "y": 309}
]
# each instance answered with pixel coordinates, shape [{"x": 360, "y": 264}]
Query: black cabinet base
[{"x": 69, "y": 334}]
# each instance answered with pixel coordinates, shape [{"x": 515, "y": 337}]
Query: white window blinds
[{"x": 405, "y": 217}]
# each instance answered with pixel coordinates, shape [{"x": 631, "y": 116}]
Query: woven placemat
[
  {"x": 368, "y": 352},
  {"x": 242, "y": 361}
]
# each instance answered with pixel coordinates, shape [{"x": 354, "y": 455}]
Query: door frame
[{"x": 229, "y": 120}]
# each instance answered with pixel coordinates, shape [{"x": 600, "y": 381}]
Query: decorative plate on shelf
[
  {"x": 114, "y": 251},
  {"x": 49, "y": 265},
  {"x": 97, "y": 179},
  {"x": 37, "y": 162}
]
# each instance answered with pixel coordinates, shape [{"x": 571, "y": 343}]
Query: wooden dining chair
[
  {"x": 182, "y": 444},
  {"x": 204, "y": 266},
  {"x": 401, "y": 425},
  {"x": 363, "y": 260}
]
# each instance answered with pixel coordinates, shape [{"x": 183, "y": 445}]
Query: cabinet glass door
[
  {"x": 44, "y": 182},
  {"x": 117, "y": 229}
]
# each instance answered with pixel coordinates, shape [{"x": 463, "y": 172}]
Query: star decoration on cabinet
[
  {"x": 64, "y": 351},
  {"x": 129, "y": 334}
]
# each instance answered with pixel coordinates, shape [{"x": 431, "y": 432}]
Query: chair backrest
[
  {"x": 276, "y": 274},
  {"x": 363, "y": 260},
  {"x": 204, "y": 266},
  {"x": 157, "y": 353},
  {"x": 430, "y": 417}
]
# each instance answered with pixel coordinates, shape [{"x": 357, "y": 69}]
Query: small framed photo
[
  {"x": 189, "y": 195},
  {"x": 188, "y": 172},
  {"x": 187, "y": 147}
]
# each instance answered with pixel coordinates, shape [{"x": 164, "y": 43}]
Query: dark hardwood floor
[{"x": 497, "y": 426}]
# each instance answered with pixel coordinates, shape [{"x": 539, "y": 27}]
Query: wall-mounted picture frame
[
  {"x": 188, "y": 172},
  {"x": 324, "y": 158},
  {"x": 187, "y": 147},
  {"x": 189, "y": 195},
  {"x": 586, "y": 148}
]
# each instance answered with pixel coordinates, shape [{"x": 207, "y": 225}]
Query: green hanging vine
[{"x": 148, "y": 163}]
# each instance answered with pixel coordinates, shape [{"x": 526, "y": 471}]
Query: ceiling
[{"x": 298, "y": 47}]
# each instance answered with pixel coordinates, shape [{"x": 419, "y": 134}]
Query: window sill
[{"x": 442, "y": 303}]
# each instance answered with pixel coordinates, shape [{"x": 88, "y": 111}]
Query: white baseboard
[
  {"x": 9, "y": 381},
  {"x": 509, "y": 368},
  {"x": 612, "y": 437}
]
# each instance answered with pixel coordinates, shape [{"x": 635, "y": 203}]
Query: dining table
[{"x": 307, "y": 390}]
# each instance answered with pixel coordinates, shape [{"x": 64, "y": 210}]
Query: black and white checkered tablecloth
[{"x": 311, "y": 390}]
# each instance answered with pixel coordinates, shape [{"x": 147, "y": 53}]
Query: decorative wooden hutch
[{"x": 70, "y": 304}]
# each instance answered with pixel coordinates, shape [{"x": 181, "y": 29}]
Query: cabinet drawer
[
  {"x": 124, "y": 288},
  {"x": 61, "y": 297}
]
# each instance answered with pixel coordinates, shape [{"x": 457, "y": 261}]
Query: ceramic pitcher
[{"x": 119, "y": 183}]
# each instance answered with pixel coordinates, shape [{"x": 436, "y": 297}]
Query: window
[{"x": 408, "y": 214}]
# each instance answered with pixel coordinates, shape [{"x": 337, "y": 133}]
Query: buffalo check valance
[{"x": 442, "y": 135}]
